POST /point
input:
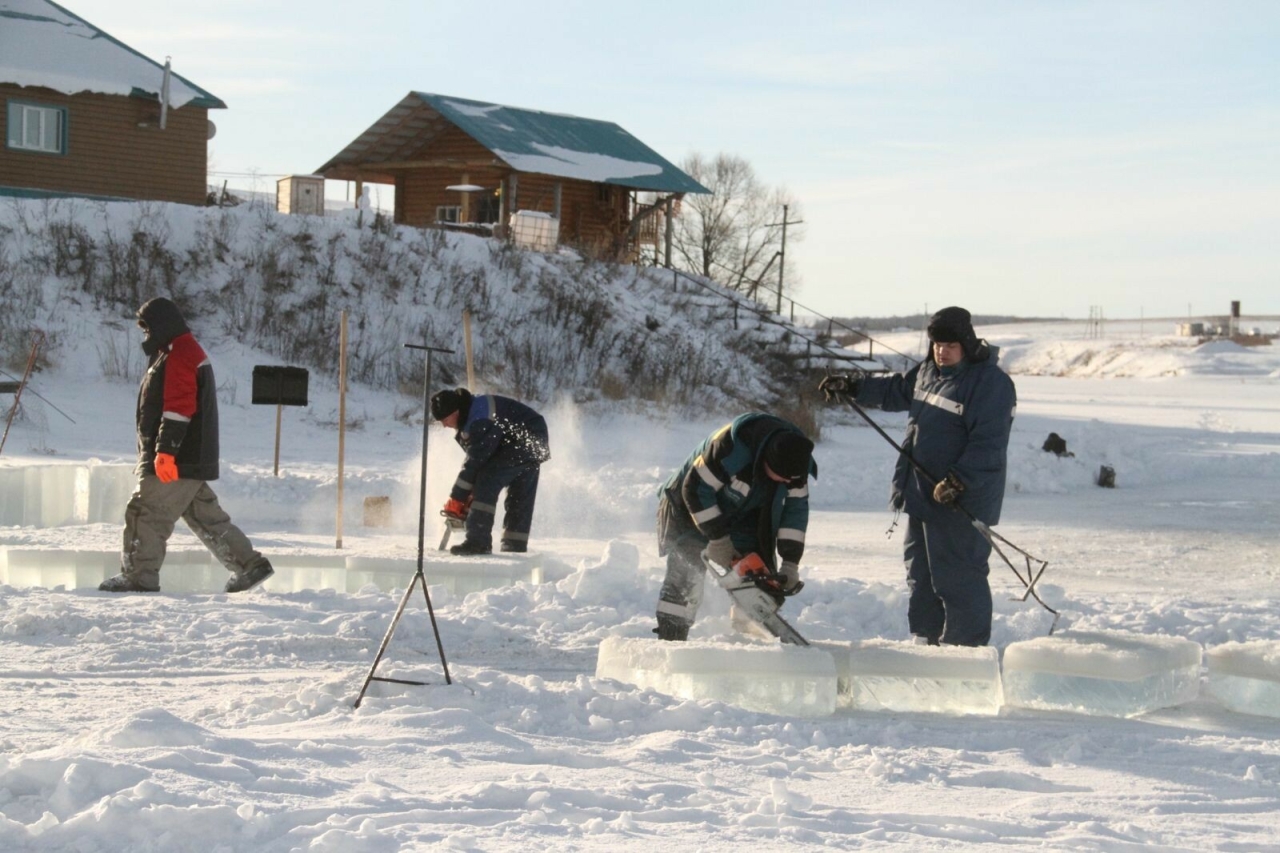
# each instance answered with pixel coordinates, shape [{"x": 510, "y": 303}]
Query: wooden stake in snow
[
  {"x": 342, "y": 418},
  {"x": 466, "y": 340}
]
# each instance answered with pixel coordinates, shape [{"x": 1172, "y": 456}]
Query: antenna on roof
[{"x": 164, "y": 93}]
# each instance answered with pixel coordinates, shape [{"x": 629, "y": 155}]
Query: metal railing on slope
[{"x": 764, "y": 315}]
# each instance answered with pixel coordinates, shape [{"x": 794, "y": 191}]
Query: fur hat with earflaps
[{"x": 954, "y": 325}]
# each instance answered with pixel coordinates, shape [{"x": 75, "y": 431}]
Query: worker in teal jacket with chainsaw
[{"x": 741, "y": 500}]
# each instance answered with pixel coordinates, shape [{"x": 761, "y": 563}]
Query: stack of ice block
[
  {"x": 1246, "y": 677},
  {"x": 189, "y": 570},
  {"x": 298, "y": 572},
  {"x": 108, "y": 488},
  {"x": 885, "y": 675},
  {"x": 53, "y": 568},
  {"x": 770, "y": 678},
  {"x": 55, "y": 495},
  {"x": 1105, "y": 673},
  {"x": 460, "y": 575}
]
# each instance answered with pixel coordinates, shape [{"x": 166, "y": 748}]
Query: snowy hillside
[
  {"x": 184, "y": 722},
  {"x": 545, "y": 327}
]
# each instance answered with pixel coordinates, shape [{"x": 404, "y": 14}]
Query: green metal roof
[{"x": 529, "y": 141}]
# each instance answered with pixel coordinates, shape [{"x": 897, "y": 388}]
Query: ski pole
[{"x": 1033, "y": 574}]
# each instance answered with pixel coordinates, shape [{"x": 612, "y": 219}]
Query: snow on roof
[
  {"x": 530, "y": 141},
  {"x": 564, "y": 146},
  {"x": 43, "y": 44},
  {"x": 566, "y": 163}
]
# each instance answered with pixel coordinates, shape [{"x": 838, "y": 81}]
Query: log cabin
[{"x": 483, "y": 167}]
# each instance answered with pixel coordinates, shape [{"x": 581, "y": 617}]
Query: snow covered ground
[{"x": 215, "y": 723}]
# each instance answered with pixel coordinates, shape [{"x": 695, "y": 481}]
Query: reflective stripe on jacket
[
  {"x": 959, "y": 422},
  {"x": 722, "y": 487}
]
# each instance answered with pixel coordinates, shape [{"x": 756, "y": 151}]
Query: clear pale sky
[{"x": 1026, "y": 157}]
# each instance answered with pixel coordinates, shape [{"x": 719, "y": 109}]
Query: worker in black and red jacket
[{"x": 177, "y": 423}]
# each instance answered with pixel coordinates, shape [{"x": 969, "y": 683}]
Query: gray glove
[
  {"x": 789, "y": 576},
  {"x": 720, "y": 551}
]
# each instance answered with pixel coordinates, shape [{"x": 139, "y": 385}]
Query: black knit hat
[
  {"x": 787, "y": 454},
  {"x": 448, "y": 401},
  {"x": 954, "y": 325}
]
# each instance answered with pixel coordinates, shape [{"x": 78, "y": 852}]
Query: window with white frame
[
  {"x": 33, "y": 127},
  {"x": 448, "y": 213}
]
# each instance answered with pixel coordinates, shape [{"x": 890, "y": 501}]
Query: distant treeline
[{"x": 919, "y": 321}]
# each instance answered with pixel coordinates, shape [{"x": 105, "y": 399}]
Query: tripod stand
[{"x": 418, "y": 576}]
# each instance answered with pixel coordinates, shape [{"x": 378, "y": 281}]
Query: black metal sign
[{"x": 274, "y": 385}]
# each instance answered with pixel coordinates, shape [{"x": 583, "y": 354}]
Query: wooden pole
[
  {"x": 342, "y": 419},
  {"x": 279, "y": 414},
  {"x": 670, "y": 226},
  {"x": 466, "y": 340},
  {"x": 782, "y": 257}
]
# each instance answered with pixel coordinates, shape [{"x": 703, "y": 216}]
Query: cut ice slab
[
  {"x": 51, "y": 568},
  {"x": 885, "y": 675},
  {"x": 1245, "y": 677},
  {"x": 773, "y": 679},
  {"x": 1104, "y": 673},
  {"x": 56, "y": 495},
  {"x": 196, "y": 571}
]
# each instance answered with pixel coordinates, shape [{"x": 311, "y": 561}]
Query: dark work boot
[
  {"x": 124, "y": 583},
  {"x": 470, "y": 548},
  {"x": 513, "y": 547},
  {"x": 672, "y": 629},
  {"x": 250, "y": 577}
]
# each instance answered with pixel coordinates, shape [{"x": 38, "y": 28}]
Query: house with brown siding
[
  {"x": 83, "y": 114},
  {"x": 478, "y": 166}
]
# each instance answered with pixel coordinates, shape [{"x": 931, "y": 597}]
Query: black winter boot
[
  {"x": 470, "y": 548},
  {"x": 124, "y": 583},
  {"x": 250, "y": 577},
  {"x": 512, "y": 547},
  {"x": 672, "y": 629}
]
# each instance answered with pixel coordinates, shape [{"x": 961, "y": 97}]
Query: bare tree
[{"x": 734, "y": 234}]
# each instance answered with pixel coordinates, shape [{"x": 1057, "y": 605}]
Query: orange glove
[
  {"x": 166, "y": 467},
  {"x": 456, "y": 509},
  {"x": 751, "y": 566}
]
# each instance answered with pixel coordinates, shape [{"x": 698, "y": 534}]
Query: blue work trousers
[
  {"x": 521, "y": 483},
  {"x": 947, "y": 572}
]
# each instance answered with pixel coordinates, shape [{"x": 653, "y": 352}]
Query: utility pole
[{"x": 782, "y": 255}]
